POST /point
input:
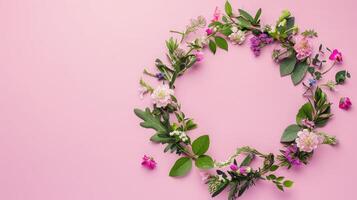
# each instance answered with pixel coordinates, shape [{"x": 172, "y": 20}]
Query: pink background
[{"x": 69, "y": 74}]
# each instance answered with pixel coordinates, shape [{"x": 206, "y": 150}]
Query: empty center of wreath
[{"x": 230, "y": 95}]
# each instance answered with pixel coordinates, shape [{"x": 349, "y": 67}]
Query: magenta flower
[
  {"x": 199, "y": 56},
  {"x": 303, "y": 48},
  {"x": 209, "y": 31},
  {"x": 336, "y": 56},
  {"x": 289, "y": 154},
  {"x": 216, "y": 15},
  {"x": 234, "y": 167},
  {"x": 148, "y": 162},
  {"x": 345, "y": 103}
]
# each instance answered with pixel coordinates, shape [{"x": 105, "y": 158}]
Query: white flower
[
  {"x": 162, "y": 96},
  {"x": 237, "y": 37},
  {"x": 308, "y": 141},
  {"x": 201, "y": 41},
  {"x": 182, "y": 135}
]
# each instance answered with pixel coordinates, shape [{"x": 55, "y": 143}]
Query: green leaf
[
  {"x": 181, "y": 167},
  {"x": 341, "y": 76},
  {"x": 305, "y": 112},
  {"x": 290, "y": 133},
  {"x": 220, "y": 188},
  {"x": 247, "y": 160},
  {"x": 221, "y": 43},
  {"x": 280, "y": 187},
  {"x": 204, "y": 162},
  {"x": 246, "y": 15},
  {"x": 228, "y": 8},
  {"x": 212, "y": 46},
  {"x": 201, "y": 145},
  {"x": 244, "y": 23},
  {"x": 150, "y": 121},
  {"x": 299, "y": 72},
  {"x": 257, "y": 16},
  {"x": 288, "y": 183},
  {"x": 161, "y": 138},
  {"x": 274, "y": 168},
  {"x": 287, "y": 65}
]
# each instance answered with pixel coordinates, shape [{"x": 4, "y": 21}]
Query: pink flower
[
  {"x": 148, "y": 162},
  {"x": 199, "y": 56},
  {"x": 308, "y": 141},
  {"x": 216, "y": 15},
  {"x": 303, "y": 48},
  {"x": 209, "y": 31},
  {"x": 345, "y": 103},
  {"x": 336, "y": 56}
]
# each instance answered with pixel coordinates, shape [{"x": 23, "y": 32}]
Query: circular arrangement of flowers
[{"x": 297, "y": 58}]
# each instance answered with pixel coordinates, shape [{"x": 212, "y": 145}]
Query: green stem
[{"x": 328, "y": 68}]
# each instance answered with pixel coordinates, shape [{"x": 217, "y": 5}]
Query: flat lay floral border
[{"x": 296, "y": 59}]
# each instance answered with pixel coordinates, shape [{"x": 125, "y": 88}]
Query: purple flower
[
  {"x": 160, "y": 76},
  {"x": 312, "y": 82},
  {"x": 148, "y": 162},
  {"x": 258, "y": 42},
  {"x": 336, "y": 56},
  {"x": 345, "y": 103},
  {"x": 289, "y": 154}
]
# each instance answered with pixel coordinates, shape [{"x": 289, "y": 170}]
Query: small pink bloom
[
  {"x": 336, "y": 56},
  {"x": 234, "y": 167},
  {"x": 216, "y": 15},
  {"x": 209, "y": 31},
  {"x": 307, "y": 123},
  {"x": 303, "y": 48},
  {"x": 199, "y": 56},
  {"x": 148, "y": 162},
  {"x": 345, "y": 103}
]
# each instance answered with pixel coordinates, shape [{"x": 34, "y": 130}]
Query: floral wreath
[{"x": 296, "y": 59}]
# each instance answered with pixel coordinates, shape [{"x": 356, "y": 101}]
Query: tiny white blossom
[
  {"x": 237, "y": 36},
  {"x": 162, "y": 96}
]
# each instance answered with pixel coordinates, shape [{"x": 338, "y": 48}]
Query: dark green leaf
[
  {"x": 220, "y": 188},
  {"x": 201, "y": 145},
  {"x": 305, "y": 112},
  {"x": 212, "y": 46},
  {"x": 221, "y": 42},
  {"x": 274, "y": 168},
  {"x": 299, "y": 72},
  {"x": 287, "y": 65},
  {"x": 150, "y": 121},
  {"x": 204, "y": 162},
  {"x": 181, "y": 167},
  {"x": 341, "y": 76},
  {"x": 161, "y": 138},
  {"x": 290, "y": 133}
]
